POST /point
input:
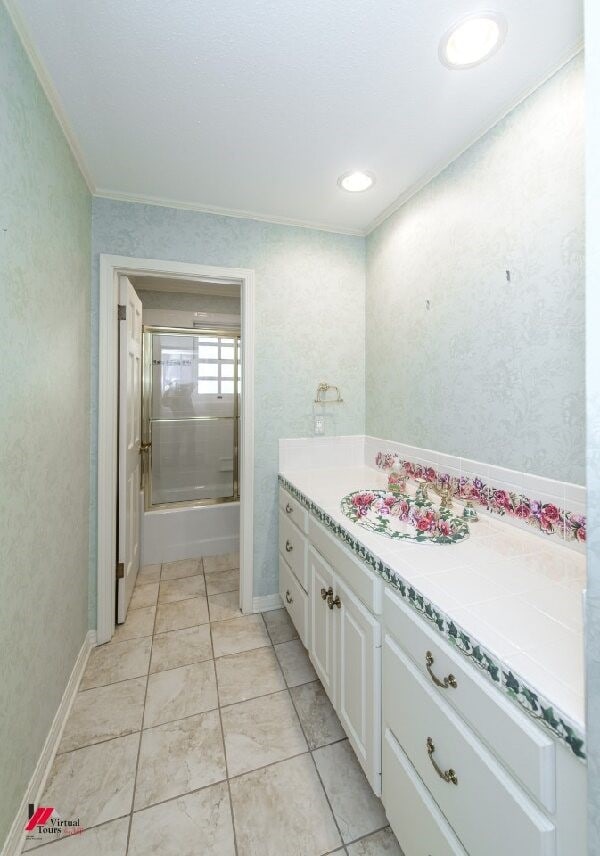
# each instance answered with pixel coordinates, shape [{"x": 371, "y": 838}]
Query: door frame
[{"x": 111, "y": 267}]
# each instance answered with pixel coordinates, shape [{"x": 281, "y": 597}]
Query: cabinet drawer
[
  {"x": 294, "y": 599},
  {"x": 420, "y": 827},
  {"x": 490, "y": 813},
  {"x": 293, "y": 546},
  {"x": 365, "y": 583},
  {"x": 293, "y": 510},
  {"x": 524, "y": 748}
]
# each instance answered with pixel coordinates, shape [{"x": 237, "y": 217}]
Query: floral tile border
[
  {"x": 505, "y": 679},
  {"x": 545, "y": 517}
]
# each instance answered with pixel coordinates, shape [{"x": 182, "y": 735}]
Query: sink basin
[{"x": 403, "y": 517}]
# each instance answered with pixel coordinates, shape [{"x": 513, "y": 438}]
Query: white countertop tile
[{"x": 517, "y": 592}]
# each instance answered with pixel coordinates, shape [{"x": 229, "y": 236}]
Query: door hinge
[
  {"x": 120, "y": 570},
  {"x": 122, "y": 312}
]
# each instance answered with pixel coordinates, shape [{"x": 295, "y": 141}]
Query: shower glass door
[{"x": 192, "y": 382}]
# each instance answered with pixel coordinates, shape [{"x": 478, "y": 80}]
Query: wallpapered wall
[
  {"x": 310, "y": 316},
  {"x": 45, "y": 249},
  {"x": 592, "y": 618},
  {"x": 493, "y": 370}
]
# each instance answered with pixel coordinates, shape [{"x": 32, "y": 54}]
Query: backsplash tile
[{"x": 524, "y": 500}]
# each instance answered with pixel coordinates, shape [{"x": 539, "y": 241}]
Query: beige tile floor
[{"x": 198, "y": 730}]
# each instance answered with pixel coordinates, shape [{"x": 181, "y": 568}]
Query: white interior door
[{"x": 130, "y": 423}]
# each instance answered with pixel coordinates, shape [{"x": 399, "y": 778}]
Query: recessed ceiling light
[
  {"x": 356, "y": 181},
  {"x": 472, "y": 40}
]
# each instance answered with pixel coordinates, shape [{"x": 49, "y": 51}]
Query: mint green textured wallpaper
[
  {"x": 45, "y": 221},
  {"x": 310, "y": 327},
  {"x": 460, "y": 360}
]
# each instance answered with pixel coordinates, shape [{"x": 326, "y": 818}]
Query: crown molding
[
  {"x": 49, "y": 90},
  {"x": 142, "y": 199},
  {"x": 404, "y": 197}
]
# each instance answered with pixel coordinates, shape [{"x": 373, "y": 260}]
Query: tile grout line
[
  {"x": 189, "y": 715},
  {"x": 143, "y": 727},
  {"x": 231, "y": 812},
  {"x": 310, "y": 751},
  {"x": 137, "y": 760}
]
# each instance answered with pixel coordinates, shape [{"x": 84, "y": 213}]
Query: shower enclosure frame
[
  {"x": 148, "y": 331},
  {"x": 105, "y": 468}
]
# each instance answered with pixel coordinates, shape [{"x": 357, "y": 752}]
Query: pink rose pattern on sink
[
  {"x": 374, "y": 509},
  {"x": 546, "y": 517}
]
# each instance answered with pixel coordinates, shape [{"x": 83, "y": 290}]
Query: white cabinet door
[
  {"x": 322, "y": 635},
  {"x": 359, "y": 680}
]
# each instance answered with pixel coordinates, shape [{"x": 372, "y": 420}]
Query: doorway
[{"x": 179, "y": 418}]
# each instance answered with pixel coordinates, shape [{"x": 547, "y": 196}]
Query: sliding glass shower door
[{"x": 192, "y": 385}]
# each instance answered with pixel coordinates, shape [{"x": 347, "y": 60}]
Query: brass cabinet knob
[
  {"x": 288, "y": 508},
  {"x": 334, "y": 601},
  {"x": 325, "y": 593},
  {"x": 447, "y": 775},
  {"x": 444, "y": 683},
  {"x": 288, "y": 547},
  {"x": 288, "y": 597}
]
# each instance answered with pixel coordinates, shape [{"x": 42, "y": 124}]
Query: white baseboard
[
  {"x": 16, "y": 836},
  {"x": 264, "y": 604}
]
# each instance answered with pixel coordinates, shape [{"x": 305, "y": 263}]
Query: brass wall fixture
[
  {"x": 322, "y": 390},
  {"x": 447, "y": 775},
  {"x": 444, "y": 683}
]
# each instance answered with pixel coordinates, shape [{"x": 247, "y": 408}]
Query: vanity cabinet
[
  {"x": 499, "y": 784},
  {"x": 460, "y": 769},
  {"x": 345, "y": 650}
]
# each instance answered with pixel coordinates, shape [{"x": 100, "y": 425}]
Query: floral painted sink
[{"x": 403, "y": 517}]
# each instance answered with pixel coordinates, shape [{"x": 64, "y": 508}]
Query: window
[{"x": 216, "y": 365}]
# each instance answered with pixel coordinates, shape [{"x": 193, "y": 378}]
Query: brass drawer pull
[
  {"x": 288, "y": 508},
  {"x": 288, "y": 547},
  {"x": 325, "y": 593},
  {"x": 450, "y": 681},
  {"x": 331, "y": 601},
  {"x": 447, "y": 775},
  {"x": 288, "y": 597}
]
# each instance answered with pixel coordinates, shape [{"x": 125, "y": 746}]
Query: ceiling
[
  {"x": 185, "y": 286},
  {"x": 257, "y": 106}
]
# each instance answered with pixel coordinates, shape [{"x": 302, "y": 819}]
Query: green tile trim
[{"x": 536, "y": 706}]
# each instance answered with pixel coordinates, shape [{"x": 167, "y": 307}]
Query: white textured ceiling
[
  {"x": 185, "y": 286},
  {"x": 258, "y": 106}
]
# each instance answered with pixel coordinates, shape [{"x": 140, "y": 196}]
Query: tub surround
[
  {"x": 508, "y": 599},
  {"x": 171, "y": 534}
]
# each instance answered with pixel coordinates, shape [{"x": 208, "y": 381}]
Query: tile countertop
[{"x": 519, "y": 595}]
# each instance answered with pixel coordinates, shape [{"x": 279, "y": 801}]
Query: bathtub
[{"x": 189, "y": 532}]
